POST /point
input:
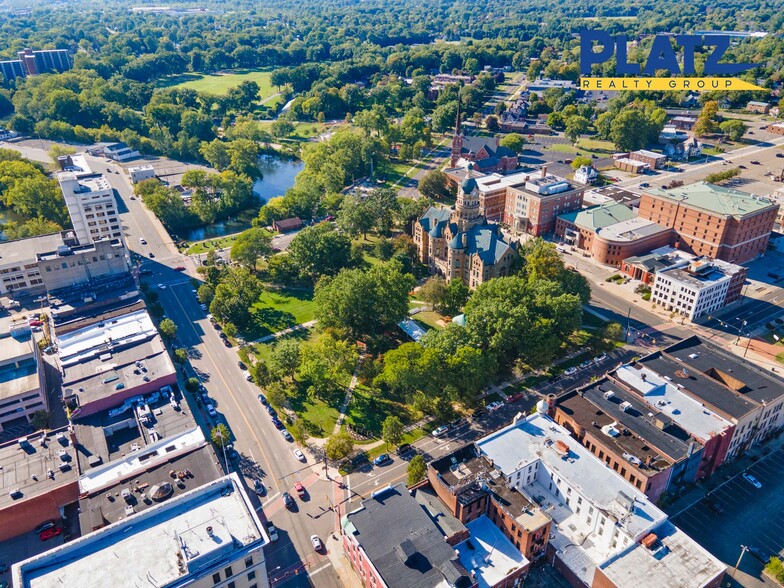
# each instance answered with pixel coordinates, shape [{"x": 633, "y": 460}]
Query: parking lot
[{"x": 743, "y": 515}]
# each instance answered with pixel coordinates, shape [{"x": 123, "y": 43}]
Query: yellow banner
[{"x": 664, "y": 84}]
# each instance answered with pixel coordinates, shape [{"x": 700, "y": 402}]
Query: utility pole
[
  {"x": 743, "y": 549},
  {"x": 628, "y": 317}
]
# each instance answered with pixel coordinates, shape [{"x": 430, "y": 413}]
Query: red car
[
  {"x": 51, "y": 532},
  {"x": 179, "y": 268},
  {"x": 299, "y": 489},
  {"x": 35, "y": 323}
]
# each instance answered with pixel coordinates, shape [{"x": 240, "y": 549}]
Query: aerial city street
[{"x": 384, "y": 295}]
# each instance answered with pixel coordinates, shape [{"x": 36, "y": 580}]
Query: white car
[
  {"x": 317, "y": 545},
  {"x": 570, "y": 371},
  {"x": 752, "y": 480},
  {"x": 161, "y": 286},
  {"x": 142, "y": 240},
  {"x": 600, "y": 358},
  {"x": 299, "y": 455},
  {"x": 247, "y": 375},
  {"x": 211, "y": 410},
  {"x": 272, "y": 531},
  {"x": 203, "y": 307},
  {"x": 493, "y": 406},
  {"x": 440, "y": 431}
]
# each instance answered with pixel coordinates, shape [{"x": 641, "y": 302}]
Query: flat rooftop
[
  {"x": 697, "y": 281},
  {"x": 742, "y": 376},
  {"x": 499, "y": 181},
  {"x": 611, "y": 194},
  {"x": 181, "y": 536},
  {"x": 538, "y": 438},
  {"x": 27, "y": 469},
  {"x": 526, "y": 512},
  {"x": 598, "y": 412},
  {"x": 714, "y": 199},
  {"x": 192, "y": 467},
  {"x": 404, "y": 544},
  {"x": 631, "y": 230},
  {"x": 646, "y": 153},
  {"x": 704, "y": 389},
  {"x": 675, "y": 560},
  {"x": 665, "y": 396},
  {"x": 22, "y": 251},
  {"x": 87, "y": 182},
  {"x": 489, "y": 554},
  {"x": 449, "y": 524}
]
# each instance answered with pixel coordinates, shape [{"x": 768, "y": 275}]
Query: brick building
[
  {"x": 482, "y": 153},
  {"x": 654, "y": 160},
  {"x": 711, "y": 220},
  {"x": 533, "y": 207}
]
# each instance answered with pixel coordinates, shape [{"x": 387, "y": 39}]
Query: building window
[
  {"x": 231, "y": 585},
  {"x": 248, "y": 561},
  {"x": 228, "y": 572},
  {"x": 216, "y": 578},
  {"x": 252, "y": 575}
]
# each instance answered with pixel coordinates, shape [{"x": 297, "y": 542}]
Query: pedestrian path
[
  {"x": 349, "y": 394},
  {"x": 272, "y": 336}
]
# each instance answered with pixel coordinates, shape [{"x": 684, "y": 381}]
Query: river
[{"x": 278, "y": 176}]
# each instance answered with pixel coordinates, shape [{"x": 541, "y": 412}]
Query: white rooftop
[
  {"x": 539, "y": 438},
  {"x": 631, "y": 229},
  {"x": 165, "y": 545},
  {"x": 646, "y": 153},
  {"x": 490, "y": 555},
  {"x": 665, "y": 397},
  {"x": 498, "y": 181},
  {"x": 676, "y": 561},
  {"x": 125, "y": 467},
  {"x": 81, "y": 344}
]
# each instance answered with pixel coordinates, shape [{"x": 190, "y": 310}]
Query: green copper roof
[
  {"x": 715, "y": 199},
  {"x": 599, "y": 217}
]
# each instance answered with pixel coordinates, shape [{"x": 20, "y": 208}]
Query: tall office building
[{"x": 91, "y": 206}]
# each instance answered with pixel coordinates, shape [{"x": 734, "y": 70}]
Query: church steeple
[{"x": 457, "y": 138}]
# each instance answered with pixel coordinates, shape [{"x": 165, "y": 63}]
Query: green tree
[
  {"x": 576, "y": 126},
  {"x": 416, "y": 470},
  {"x": 339, "y": 446},
  {"x": 434, "y": 185},
  {"x": 277, "y": 396},
  {"x": 57, "y": 150},
  {"x": 299, "y": 431},
  {"x": 205, "y": 294},
  {"x": 629, "y": 130},
  {"x": 433, "y": 291},
  {"x": 220, "y": 435},
  {"x": 282, "y": 127},
  {"x": 707, "y": 121},
  {"x": 354, "y": 217},
  {"x": 491, "y": 123},
  {"x": 216, "y": 152},
  {"x": 285, "y": 357},
  {"x": 327, "y": 364},
  {"x": 192, "y": 385},
  {"x": 40, "y": 419},
  {"x": 364, "y": 302},
  {"x": 613, "y": 332},
  {"x": 230, "y": 329},
  {"x": 457, "y": 294},
  {"x": 168, "y": 329},
  {"x": 244, "y": 157},
  {"x": 320, "y": 251},
  {"x": 580, "y": 161},
  {"x": 181, "y": 355},
  {"x": 237, "y": 291},
  {"x": 392, "y": 430},
  {"x": 734, "y": 128},
  {"x": 513, "y": 141},
  {"x": 251, "y": 245}
]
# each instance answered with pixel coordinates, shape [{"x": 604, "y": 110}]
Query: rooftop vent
[{"x": 561, "y": 447}]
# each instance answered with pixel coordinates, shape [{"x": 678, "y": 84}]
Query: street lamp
[{"x": 743, "y": 549}]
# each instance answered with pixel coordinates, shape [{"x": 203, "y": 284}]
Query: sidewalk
[{"x": 272, "y": 336}]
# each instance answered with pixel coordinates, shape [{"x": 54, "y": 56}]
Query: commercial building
[
  {"x": 207, "y": 536},
  {"x": 22, "y": 382},
  {"x": 391, "y": 542},
  {"x": 615, "y": 426},
  {"x": 698, "y": 288},
  {"x": 109, "y": 358},
  {"x": 71, "y": 266},
  {"x": 776, "y": 128},
  {"x": 711, "y": 220},
  {"x": 758, "y": 107},
  {"x": 683, "y": 122},
  {"x": 611, "y": 232},
  {"x": 610, "y": 194},
  {"x": 533, "y": 207},
  {"x": 459, "y": 243},
  {"x": 493, "y": 190},
  {"x": 30, "y": 63},
  {"x": 119, "y": 152},
  {"x": 139, "y": 173},
  {"x": 599, "y": 519},
  {"x": 19, "y": 272},
  {"x": 652, "y": 159},
  {"x": 91, "y": 206},
  {"x": 644, "y": 267},
  {"x": 630, "y": 165}
]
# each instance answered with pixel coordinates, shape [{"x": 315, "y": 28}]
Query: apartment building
[
  {"x": 602, "y": 524},
  {"x": 91, "y": 205},
  {"x": 19, "y": 271},
  {"x": 209, "y": 536},
  {"x": 721, "y": 223},
  {"x": 533, "y": 207},
  {"x": 22, "y": 382},
  {"x": 30, "y": 63},
  {"x": 698, "y": 289}
]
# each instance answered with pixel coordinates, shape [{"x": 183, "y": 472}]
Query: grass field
[
  {"x": 280, "y": 309},
  {"x": 217, "y": 243},
  {"x": 262, "y": 351},
  {"x": 220, "y": 84},
  {"x": 320, "y": 417},
  {"x": 368, "y": 410}
]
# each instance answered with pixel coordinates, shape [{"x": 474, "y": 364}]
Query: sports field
[{"x": 221, "y": 83}]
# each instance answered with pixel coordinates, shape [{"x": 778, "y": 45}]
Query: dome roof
[
  {"x": 468, "y": 185},
  {"x": 542, "y": 406}
]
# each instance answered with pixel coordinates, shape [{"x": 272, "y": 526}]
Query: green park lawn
[
  {"x": 277, "y": 310},
  {"x": 368, "y": 409},
  {"x": 319, "y": 417},
  {"x": 586, "y": 147},
  {"x": 211, "y": 244},
  {"x": 220, "y": 84}
]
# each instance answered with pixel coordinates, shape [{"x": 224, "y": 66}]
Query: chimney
[
  {"x": 551, "y": 401},
  {"x": 543, "y": 172}
]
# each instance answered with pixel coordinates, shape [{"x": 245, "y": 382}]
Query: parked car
[
  {"x": 288, "y": 501},
  {"x": 247, "y": 375},
  {"x": 161, "y": 286},
  {"x": 570, "y": 371},
  {"x": 404, "y": 449},
  {"x": 440, "y": 431},
  {"x": 44, "y": 526},
  {"x": 299, "y": 455},
  {"x": 382, "y": 459},
  {"x": 227, "y": 343},
  {"x": 585, "y": 364},
  {"x": 142, "y": 240},
  {"x": 754, "y": 162},
  {"x": 286, "y": 435},
  {"x": 258, "y": 487},
  {"x": 752, "y": 480},
  {"x": 493, "y": 406},
  {"x": 241, "y": 365},
  {"x": 299, "y": 489},
  {"x": 600, "y": 358},
  {"x": 277, "y": 423},
  {"x": 713, "y": 506},
  {"x": 317, "y": 545},
  {"x": 34, "y": 323},
  {"x": 49, "y": 533},
  {"x": 270, "y": 410},
  {"x": 759, "y": 553},
  {"x": 262, "y": 399},
  {"x": 179, "y": 268},
  {"x": 211, "y": 410},
  {"x": 645, "y": 185},
  {"x": 272, "y": 531}
]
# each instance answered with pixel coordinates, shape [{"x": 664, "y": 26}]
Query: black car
[
  {"x": 241, "y": 365},
  {"x": 277, "y": 423},
  {"x": 223, "y": 335},
  {"x": 288, "y": 501},
  {"x": 271, "y": 410},
  {"x": 713, "y": 506},
  {"x": 404, "y": 449},
  {"x": 227, "y": 343},
  {"x": 758, "y": 553}
]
